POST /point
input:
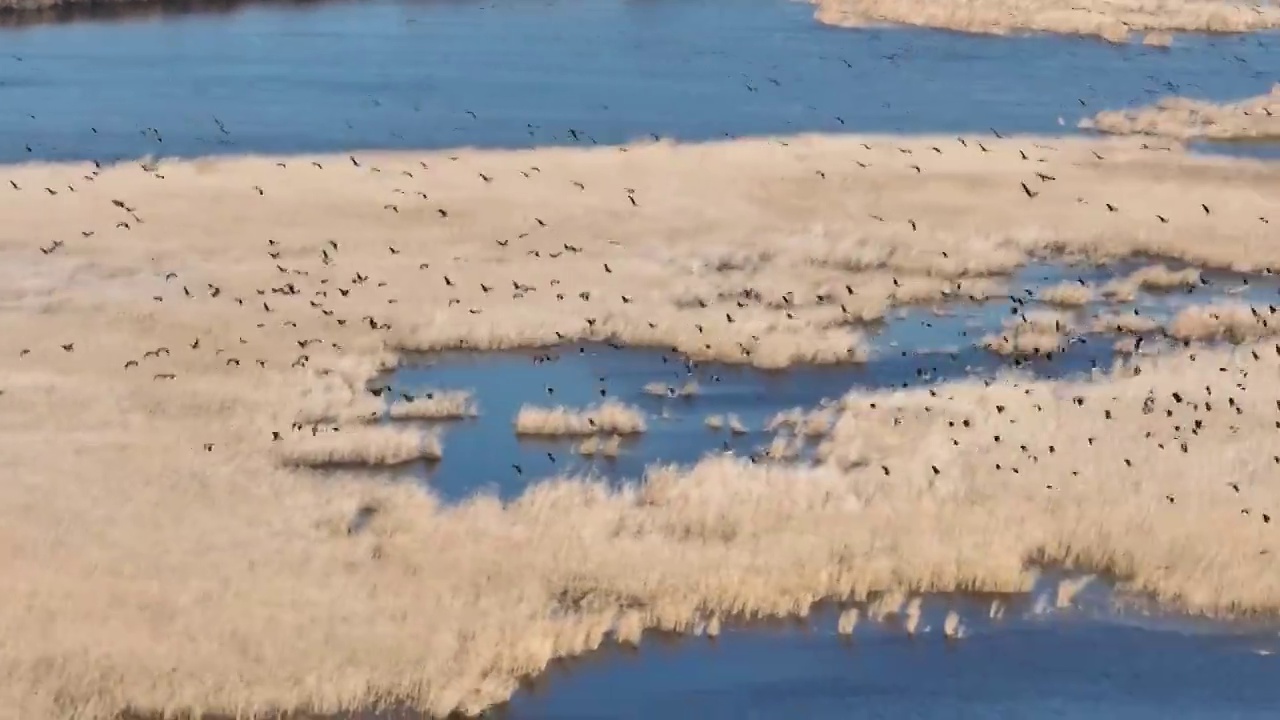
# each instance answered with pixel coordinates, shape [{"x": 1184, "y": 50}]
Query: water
[
  {"x": 387, "y": 74},
  {"x": 1064, "y": 667}
]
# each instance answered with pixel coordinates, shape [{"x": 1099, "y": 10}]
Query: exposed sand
[
  {"x": 1113, "y": 20},
  {"x": 1189, "y": 119},
  {"x": 159, "y": 556}
]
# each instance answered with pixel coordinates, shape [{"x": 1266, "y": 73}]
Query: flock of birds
[{"x": 326, "y": 281}]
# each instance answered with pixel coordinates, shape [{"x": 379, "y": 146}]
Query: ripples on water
[{"x": 388, "y": 74}]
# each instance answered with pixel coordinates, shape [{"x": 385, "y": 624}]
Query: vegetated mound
[
  {"x": 1112, "y": 21},
  {"x": 1256, "y": 118}
]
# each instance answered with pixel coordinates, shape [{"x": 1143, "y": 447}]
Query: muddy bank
[
  {"x": 1113, "y": 21},
  {"x": 1256, "y": 118},
  {"x": 164, "y": 325}
]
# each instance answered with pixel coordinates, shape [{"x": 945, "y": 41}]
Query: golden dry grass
[
  {"x": 147, "y": 572},
  {"x": 1035, "y": 333},
  {"x": 1234, "y": 323},
  {"x": 610, "y": 417},
  {"x": 436, "y": 405},
  {"x": 1190, "y": 119},
  {"x": 360, "y": 445},
  {"x": 1150, "y": 277},
  {"x": 1113, "y": 21},
  {"x": 1066, "y": 294},
  {"x": 813, "y": 423},
  {"x": 1124, "y": 323}
]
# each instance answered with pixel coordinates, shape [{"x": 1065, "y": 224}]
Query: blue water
[
  {"x": 388, "y": 74},
  {"x": 1023, "y": 670}
]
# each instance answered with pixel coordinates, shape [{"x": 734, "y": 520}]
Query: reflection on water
[{"x": 404, "y": 74}]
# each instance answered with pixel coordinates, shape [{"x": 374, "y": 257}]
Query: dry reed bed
[
  {"x": 1067, "y": 294},
  {"x": 1034, "y": 333},
  {"x": 1235, "y": 323},
  {"x": 435, "y": 405},
  {"x": 361, "y": 445},
  {"x": 1151, "y": 277},
  {"x": 1190, "y": 119},
  {"x": 1113, "y": 21},
  {"x": 193, "y": 572},
  {"x": 609, "y": 417}
]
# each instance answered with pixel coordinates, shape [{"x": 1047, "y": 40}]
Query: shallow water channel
[{"x": 913, "y": 346}]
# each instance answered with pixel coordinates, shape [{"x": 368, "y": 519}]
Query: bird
[
  {"x": 1029, "y": 192},
  {"x": 69, "y": 347}
]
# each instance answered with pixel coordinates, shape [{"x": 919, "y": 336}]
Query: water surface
[{"x": 411, "y": 74}]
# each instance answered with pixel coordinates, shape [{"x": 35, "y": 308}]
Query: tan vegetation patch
[
  {"x": 435, "y": 405},
  {"x": 608, "y": 417},
  {"x": 1190, "y": 119},
  {"x": 1150, "y": 277},
  {"x": 1067, "y": 294},
  {"x": 1112, "y": 21},
  {"x": 1234, "y": 323},
  {"x": 1037, "y": 333},
  {"x": 1124, "y": 323},
  {"x": 360, "y": 445}
]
